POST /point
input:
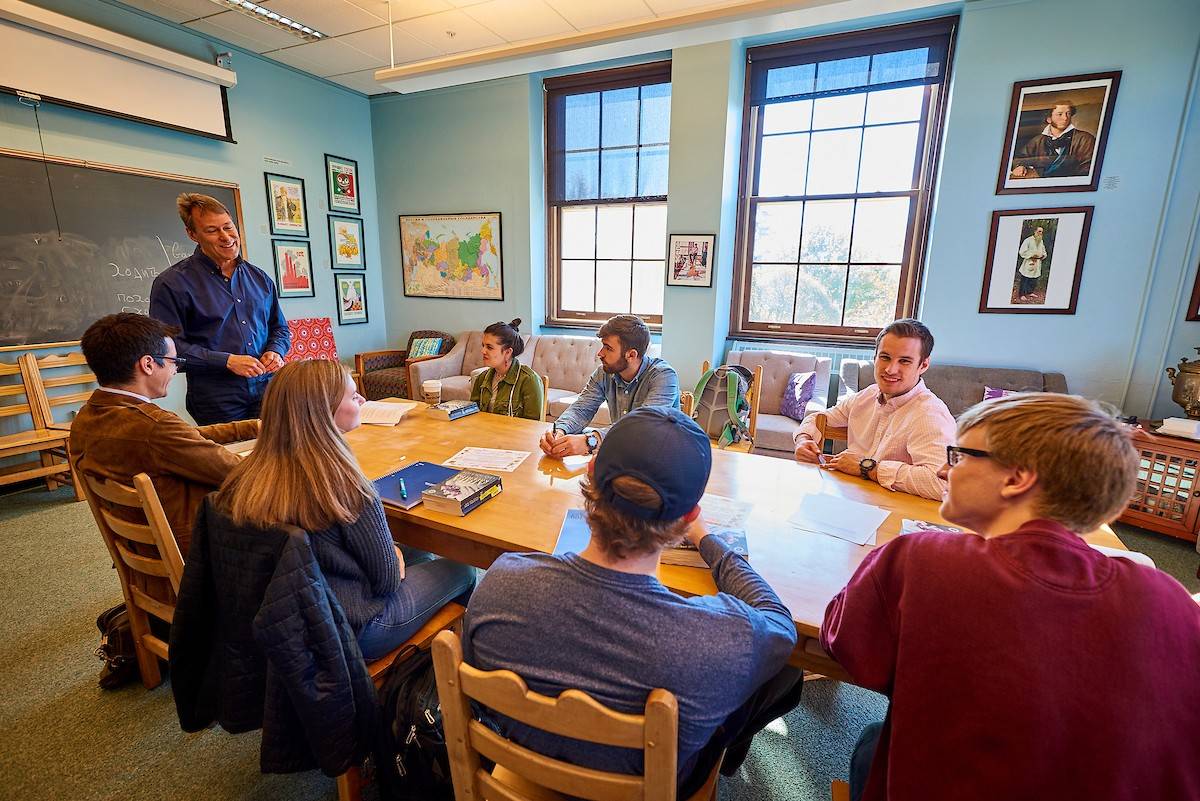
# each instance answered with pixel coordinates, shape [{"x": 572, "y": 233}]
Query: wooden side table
[{"x": 1167, "y": 497}]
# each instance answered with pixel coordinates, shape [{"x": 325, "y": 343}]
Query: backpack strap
[
  {"x": 731, "y": 402},
  {"x": 700, "y": 386}
]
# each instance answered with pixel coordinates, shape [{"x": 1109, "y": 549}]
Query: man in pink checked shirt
[{"x": 897, "y": 429}]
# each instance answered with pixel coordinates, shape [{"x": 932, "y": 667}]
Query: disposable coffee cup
[{"x": 431, "y": 391}]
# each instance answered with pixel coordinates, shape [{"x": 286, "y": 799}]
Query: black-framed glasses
[
  {"x": 180, "y": 361},
  {"x": 954, "y": 454}
]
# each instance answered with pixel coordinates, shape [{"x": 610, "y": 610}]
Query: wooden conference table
[{"x": 805, "y": 569}]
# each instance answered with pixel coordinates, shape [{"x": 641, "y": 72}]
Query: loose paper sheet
[
  {"x": 838, "y": 517},
  {"x": 721, "y": 512},
  {"x": 241, "y": 448},
  {"x": 378, "y": 413},
  {"x": 487, "y": 459}
]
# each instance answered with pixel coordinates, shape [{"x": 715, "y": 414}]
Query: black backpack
[{"x": 411, "y": 757}]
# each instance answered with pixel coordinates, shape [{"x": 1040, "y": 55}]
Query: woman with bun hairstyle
[{"x": 507, "y": 387}]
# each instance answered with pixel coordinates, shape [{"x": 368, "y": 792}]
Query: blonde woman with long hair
[{"x": 301, "y": 472}]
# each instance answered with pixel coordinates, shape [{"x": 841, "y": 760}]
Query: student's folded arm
[
  {"x": 230, "y": 432},
  {"x": 860, "y": 627},
  {"x": 581, "y": 412},
  {"x": 734, "y": 575},
  {"x": 369, "y": 541},
  {"x": 182, "y": 450}
]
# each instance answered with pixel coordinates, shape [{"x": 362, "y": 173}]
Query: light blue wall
[{"x": 274, "y": 111}]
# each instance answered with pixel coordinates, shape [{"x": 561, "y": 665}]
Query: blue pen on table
[{"x": 403, "y": 489}]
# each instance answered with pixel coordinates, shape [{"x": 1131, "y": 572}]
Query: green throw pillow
[{"x": 427, "y": 346}]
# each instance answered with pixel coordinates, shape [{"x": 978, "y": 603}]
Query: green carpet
[{"x": 61, "y": 737}]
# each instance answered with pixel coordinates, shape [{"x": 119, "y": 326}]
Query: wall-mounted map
[{"x": 452, "y": 256}]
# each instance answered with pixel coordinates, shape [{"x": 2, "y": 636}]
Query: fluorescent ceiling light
[{"x": 269, "y": 17}]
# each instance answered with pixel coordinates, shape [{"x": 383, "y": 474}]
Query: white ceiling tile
[
  {"x": 468, "y": 34},
  {"x": 586, "y": 14},
  {"x": 403, "y": 9},
  {"x": 243, "y": 31},
  {"x": 516, "y": 20},
  {"x": 332, "y": 17},
  {"x": 328, "y": 57},
  {"x": 361, "y": 82},
  {"x": 664, "y": 7},
  {"x": 375, "y": 44},
  {"x": 176, "y": 10}
]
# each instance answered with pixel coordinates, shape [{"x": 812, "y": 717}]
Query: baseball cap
[{"x": 662, "y": 447}]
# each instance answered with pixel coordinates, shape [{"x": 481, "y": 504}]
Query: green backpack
[{"x": 721, "y": 406}]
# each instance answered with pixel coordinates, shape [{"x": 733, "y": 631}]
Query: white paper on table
[
  {"x": 576, "y": 462},
  {"x": 721, "y": 512},
  {"x": 1132, "y": 556},
  {"x": 838, "y": 517},
  {"x": 487, "y": 459},
  {"x": 378, "y": 413},
  {"x": 241, "y": 448}
]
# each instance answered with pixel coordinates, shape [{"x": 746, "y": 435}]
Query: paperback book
[
  {"x": 461, "y": 492},
  {"x": 453, "y": 409},
  {"x": 687, "y": 556}
]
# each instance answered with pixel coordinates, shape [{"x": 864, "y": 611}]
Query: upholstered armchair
[{"x": 385, "y": 373}]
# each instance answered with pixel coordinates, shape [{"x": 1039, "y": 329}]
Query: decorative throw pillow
[
  {"x": 797, "y": 394},
  {"x": 426, "y": 346},
  {"x": 994, "y": 392}
]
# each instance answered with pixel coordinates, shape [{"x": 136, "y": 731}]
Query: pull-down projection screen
[{"x": 72, "y": 63}]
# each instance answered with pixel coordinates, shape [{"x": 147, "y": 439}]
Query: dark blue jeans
[
  {"x": 860, "y": 760},
  {"x": 427, "y": 586}
]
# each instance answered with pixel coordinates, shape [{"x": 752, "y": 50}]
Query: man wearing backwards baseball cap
[{"x": 600, "y": 621}]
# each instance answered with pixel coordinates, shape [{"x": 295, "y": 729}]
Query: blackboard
[{"x": 119, "y": 229}]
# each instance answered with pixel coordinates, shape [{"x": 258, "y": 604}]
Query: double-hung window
[
  {"x": 841, "y": 137},
  {"x": 607, "y": 139}
]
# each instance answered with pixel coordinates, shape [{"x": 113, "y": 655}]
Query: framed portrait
[
  {"x": 286, "y": 205},
  {"x": 1057, "y": 134},
  {"x": 452, "y": 256},
  {"x": 341, "y": 179},
  {"x": 293, "y": 269},
  {"x": 689, "y": 259},
  {"x": 1035, "y": 260},
  {"x": 351, "y": 298},
  {"x": 347, "y": 251}
]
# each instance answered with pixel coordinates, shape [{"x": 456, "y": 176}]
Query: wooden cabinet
[{"x": 1167, "y": 497}]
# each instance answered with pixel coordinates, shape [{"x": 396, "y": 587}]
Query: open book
[{"x": 381, "y": 413}]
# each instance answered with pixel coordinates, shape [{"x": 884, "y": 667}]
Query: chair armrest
[
  {"x": 378, "y": 360},
  {"x": 426, "y": 368}
]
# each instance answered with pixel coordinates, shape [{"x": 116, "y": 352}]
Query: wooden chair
[
  {"x": 545, "y": 396},
  {"x": 140, "y": 551},
  {"x": 827, "y": 431},
  {"x": 840, "y": 791},
  {"x": 47, "y": 438},
  {"x": 397, "y": 383},
  {"x": 523, "y": 775},
  {"x": 349, "y": 784},
  {"x": 752, "y": 394}
]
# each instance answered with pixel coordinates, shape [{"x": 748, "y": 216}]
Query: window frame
[
  {"x": 578, "y": 83},
  {"x": 933, "y": 115}
]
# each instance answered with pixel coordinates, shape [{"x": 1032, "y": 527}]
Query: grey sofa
[{"x": 960, "y": 386}]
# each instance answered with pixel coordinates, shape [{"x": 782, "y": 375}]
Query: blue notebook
[
  {"x": 574, "y": 535},
  {"x": 418, "y": 477}
]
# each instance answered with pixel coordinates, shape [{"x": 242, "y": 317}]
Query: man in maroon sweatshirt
[{"x": 1020, "y": 662}]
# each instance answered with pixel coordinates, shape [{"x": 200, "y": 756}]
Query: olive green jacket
[{"x": 519, "y": 393}]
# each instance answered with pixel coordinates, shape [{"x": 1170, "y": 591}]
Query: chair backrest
[
  {"x": 573, "y": 714},
  {"x": 545, "y": 396},
  {"x": 312, "y": 338},
  {"x": 36, "y": 384},
  {"x": 139, "y": 550},
  {"x": 15, "y": 398}
]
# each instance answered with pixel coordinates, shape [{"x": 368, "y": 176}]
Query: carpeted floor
[{"x": 61, "y": 737}]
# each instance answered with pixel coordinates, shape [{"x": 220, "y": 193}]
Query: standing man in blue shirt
[
  {"x": 626, "y": 379},
  {"x": 234, "y": 334}
]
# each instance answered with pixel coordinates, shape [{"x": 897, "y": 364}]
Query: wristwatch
[
  {"x": 865, "y": 467},
  {"x": 593, "y": 441}
]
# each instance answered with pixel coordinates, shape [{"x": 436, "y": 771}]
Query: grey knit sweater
[{"x": 360, "y": 563}]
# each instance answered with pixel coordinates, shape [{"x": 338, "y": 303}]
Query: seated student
[
  {"x": 120, "y": 432},
  {"x": 898, "y": 429},
  {"x": 1021, "y": 663},
  {"x": 507, "y": 386},
  {"x": 301, "y": 472},
  {"x": 600, "y": 621},
  {"x": 626, "y": 379}
]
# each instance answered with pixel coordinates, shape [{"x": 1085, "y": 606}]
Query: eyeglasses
[
  {"x": 954, "y": 454},
  {"x": 180, "y": 361}
]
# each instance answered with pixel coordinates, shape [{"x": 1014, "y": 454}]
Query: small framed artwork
[
  {"x": 286, "y": 205},
  {"x": 689, "y": 259},
  {"x": 346, "y": 246},
  {"x": 293, "y": 269},
  {"x": 1035, "y": 260},
  {"x": 1057, "y": 134},
  {"x": 351, "y": 298},
  {"x": 341, "y": 179},
  {"x": 452, "y": 256}
]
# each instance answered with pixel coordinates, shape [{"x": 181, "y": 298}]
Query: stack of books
[
  {"x": 687, "y": 556},
  {"x": 1180, "y": 427},
  {"x": 461, "y": 492},
  {"x": 453, "y": 409}
]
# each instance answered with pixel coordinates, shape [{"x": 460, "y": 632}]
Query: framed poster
[
  {"x": 351, "y": 298},
  {"x": 347, "y": 251},
  {"x": 1057, "y": 134},
  {"x": 285, "y": 204},
  {"x": 341, "y": 179},
  {"x": 1035, "y": 260},
  {"x": 689, "y": 259},
  {"x": 452, "y": 256},
  {"x": 293, "y": 269}
]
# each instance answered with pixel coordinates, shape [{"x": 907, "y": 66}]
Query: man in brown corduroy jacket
[{"x": 121, "y": 432}]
